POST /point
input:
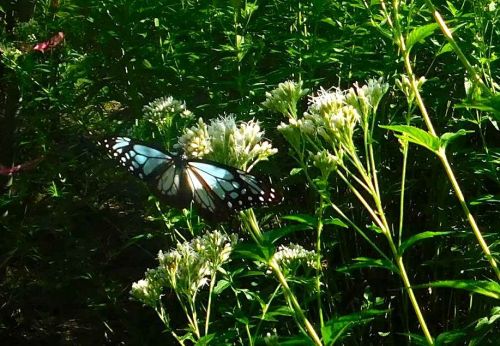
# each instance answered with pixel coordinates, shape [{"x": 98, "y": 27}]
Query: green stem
[
  {"x": 265, "y": 309},
  {"x": 294, "y": 304},
  {"x": 470, "y": 217},
  {"x": 360, "y": 231},
  {"x": 319, "y": 229},
  {"x": 210, "y": 291},
  {"x": 402, "y": 194},
  {"x": 249, "y": 219},
  {"x": 473, "y": 75},
  {"x": 441, "y": 154}
]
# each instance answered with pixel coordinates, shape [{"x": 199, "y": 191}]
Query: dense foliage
[{"x": 377, "y": 121}]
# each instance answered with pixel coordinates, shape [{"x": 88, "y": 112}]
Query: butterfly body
[{"x": 217, "y": 190}]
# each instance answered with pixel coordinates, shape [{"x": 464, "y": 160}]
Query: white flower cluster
[
  {"x": 326, "y": 162},
  {"x": 165, "y": 108},
  {"x": 149, "y": 290},
  {"x": 404, "y": 85},
  {"x": 195, "y": 141},
  {"x": 284, "y": 98},
  {"x": 225, "y": 141},
  {"x": 187, "y": 268},
  {"x": 291, "y": 256}
]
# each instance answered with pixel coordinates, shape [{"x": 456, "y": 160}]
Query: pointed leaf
[
  {"x": 420, "y": 34},
  {"x": 365, "y": 262},
  {"x": 336, "y": 327},
  {"x": 302, "y": 218},
  {"x": 273, "y": 235},
  {"x": 416, "y": 135},
  {"x": 486, "y": 288},
  {"x": 417, "y": 237},
  {"x": 448, "y": 137}
]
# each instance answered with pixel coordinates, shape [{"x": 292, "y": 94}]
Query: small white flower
[
  {"x": 284, "y": 98},
  {"x": 196, "y": 141},
  {"x": 290, "y": 257},
  {"x": 240, "y": 145}
]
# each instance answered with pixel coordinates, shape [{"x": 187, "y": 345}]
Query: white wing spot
[
  {"x": 240, "y": 202},
  {"x": 250, "y": 198},
  {"x": 230, "y": 205},
  {"x": 243, "y": 191},
  {"x": 261, "y": 199}
]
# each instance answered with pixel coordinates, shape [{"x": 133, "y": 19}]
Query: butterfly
[{"x": 216, "y": 190}]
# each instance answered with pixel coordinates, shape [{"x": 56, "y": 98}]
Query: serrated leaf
[
  {"x": 486, "y": 288},
  {"x": 418, "y": 237},
  {"x": 420, "y": 34},
  {"x": 415, "y": 135}
]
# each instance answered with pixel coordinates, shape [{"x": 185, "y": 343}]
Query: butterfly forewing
[{"x": 139, "y": 159}]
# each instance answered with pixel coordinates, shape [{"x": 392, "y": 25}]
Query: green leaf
[
  {"x": 221, "y": 286},
  {"x": 485, "y": 199},
  {"x": 419, "y": 34},
  {"x": 488, "y": 104},
  {"x": 254, "y": 252},
  {"x": 450, "y": 337},
  {"x": 336, "y": 222},
  {"x": 366, "y": 262},
  {"x": 448, "y": 137},
  {"x": 302, "y": 218},
  {"x": 295, "y": 171},
  {"x": 415, "y": 135},
  {"x": 486, "y": 288},
  {"x": 418, "y": 237},
  {"x": 273, "y": 235},
  {"x": 205, "y": 340},
  {"x": 336, "y": 327}
]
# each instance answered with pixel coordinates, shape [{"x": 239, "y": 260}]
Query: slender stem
[
  {"x": 252, "y": 225},
  {"x": 319, "y": 272},
  {"x": 456, "y": 48},
  {"x": 360, "y": 231},
  {"x": 441, "y": 154},
  {"x": 470, "y": 217},
  {"x": 362, "y": 200},
  {"x": 247, "y": 328},
  {"x": 402, "y": 194},
  {"x": 194, "y": 318},
  {"x": 209, "y": 305},
  {"x": 292, "y": 300},
  {"x": 265, "y": 309}
]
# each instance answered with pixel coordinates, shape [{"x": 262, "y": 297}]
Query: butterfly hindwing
[
  {"x": 217, "y": 190},
  {"x": 227, "y": 189}
]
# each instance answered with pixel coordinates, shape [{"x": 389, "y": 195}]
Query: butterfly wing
[
  {"x": 220, "y": 190},
  {"x": 163, "y": 172},
  {"x": 217, "y": 190},
  {"x": 143, "y": 161}
]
